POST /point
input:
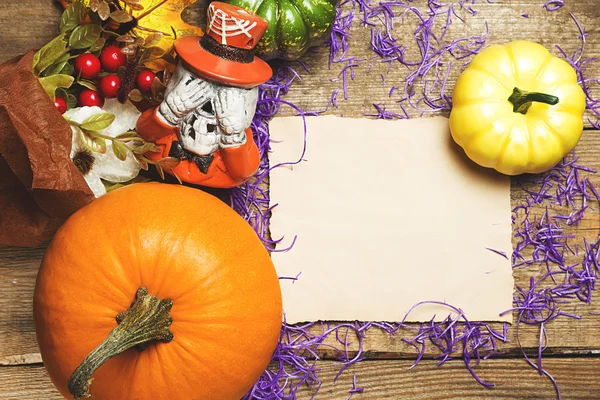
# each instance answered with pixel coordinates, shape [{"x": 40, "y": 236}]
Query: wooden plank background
[{"x": 574, "y": 353}]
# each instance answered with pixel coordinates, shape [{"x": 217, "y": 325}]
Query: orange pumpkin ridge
[{"x": 184, "y": 246}]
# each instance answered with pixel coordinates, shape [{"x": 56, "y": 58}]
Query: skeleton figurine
[{"x": 211, "y": 100}]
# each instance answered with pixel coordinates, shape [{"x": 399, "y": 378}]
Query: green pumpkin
[{"x": 294, "y": 25}]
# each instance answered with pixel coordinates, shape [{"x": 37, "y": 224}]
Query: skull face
[{"x": 213, "y": 115}]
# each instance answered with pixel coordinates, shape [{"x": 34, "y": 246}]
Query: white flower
[{"x": 96, "y": 167}]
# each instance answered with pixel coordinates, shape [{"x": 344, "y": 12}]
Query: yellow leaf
[{"x": 160, "y": 16}]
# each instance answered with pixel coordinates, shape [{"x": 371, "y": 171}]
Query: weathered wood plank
[
  {"x": 26, "y": 383},
  {"x": 26, "y": 25},
  {"x": 383, "y": 379},
  {"x": 18, "y": 266},
  {"x": 505, "y": 21},
  {"x": 513, "y": 379},
  {"x": 18, "y": 270}
]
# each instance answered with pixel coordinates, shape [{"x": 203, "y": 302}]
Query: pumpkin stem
[
  {"x": 522, "y": 100},
  {"x": 147, "y": 319}
]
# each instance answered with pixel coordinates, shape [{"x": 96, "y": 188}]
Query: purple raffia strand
[
  {"x": 477, "y": 339},
  {"x": 503, "y": 254},
  {"x": 294, "y": 361},
  {"x": 554, "y": 5},
  {"x": 537, "y": 306},
  {"x": 580, "y": 64},
  {"x": 382, "y": 113},
  {"x": 354, "y": 389},
  {"x": 431, "y": 69},
  {"x": 566, "y": 186},
  {"x": 251, "y": 200}
]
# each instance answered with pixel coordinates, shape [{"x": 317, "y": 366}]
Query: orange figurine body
[{"x": 210, "y": 101}]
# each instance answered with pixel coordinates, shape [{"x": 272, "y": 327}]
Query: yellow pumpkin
[{"x": 517, "y": 108}]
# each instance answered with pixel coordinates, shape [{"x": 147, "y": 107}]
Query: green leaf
[
  {"x": 120, "y": 150},
  {"x": 71, "y": 101},
  {"x": 72, "y": 16},
  {"x": 83, "y": 37},
  {"x": 98, "y": 122},
  {"x": 57, "y": 66},
  {"x": 51, "y": 83},
  {"x": 88, "y": 84},
  {"x": 128, "y": 135},
  {"x": 91, "y": 141},
  {"x": 101, "y": 143},
  {"x": 70, "y": 121},
  {"x": 68, "y": 69},
  {"x": 98, "y": 45},
  {"x": 49, "y": 54},
  {"x": 62, "y": 93}
]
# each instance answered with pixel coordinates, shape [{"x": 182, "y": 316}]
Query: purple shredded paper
[
  {"x": 554, "y": 5},
  {"x": 570, "y": 271},
  {"x": 426, "y": 86}
]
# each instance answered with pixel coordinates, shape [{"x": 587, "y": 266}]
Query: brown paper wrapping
[{"x": 39, "y": 185}]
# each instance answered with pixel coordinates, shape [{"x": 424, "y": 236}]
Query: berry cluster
[{"x": 104, "y": 71}]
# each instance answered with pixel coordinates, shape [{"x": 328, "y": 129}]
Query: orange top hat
[{"x": 226, "y": 52}]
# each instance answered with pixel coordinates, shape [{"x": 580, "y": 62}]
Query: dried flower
[{"x": 104, "y": 164}]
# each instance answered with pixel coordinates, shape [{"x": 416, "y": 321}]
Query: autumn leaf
[
  {"x": 48, "y": 54},
  {"x": 52, "y": 83},
  {"x": 121, "y": 16},
  {"x": 165, "y": 16},
  {"x": 162, "y": 16}
]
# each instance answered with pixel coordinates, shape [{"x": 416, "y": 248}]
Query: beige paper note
[{"x": 387, "y": 214}]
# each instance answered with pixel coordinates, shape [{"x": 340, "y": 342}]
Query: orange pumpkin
[{"x": 207, "y": 312}]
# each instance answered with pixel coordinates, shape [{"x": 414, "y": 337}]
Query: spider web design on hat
[
  {"x": 225, "y": 25},
  {"x": 225, "y": 54}
]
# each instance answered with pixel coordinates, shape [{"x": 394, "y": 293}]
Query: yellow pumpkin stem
[
  {"x": 148, "y": 319},
  {"x": 522, "y": 100}
]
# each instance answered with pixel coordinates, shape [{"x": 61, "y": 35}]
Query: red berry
[
  {"x": 90, "y": 98},
  {"x": 112, "y": 58},
  {"x": 144, "y": 80},
  {"x": 60, "y": 104},
  {"x": 109, "y": 86},
  {"x": 87, "y": 65}
]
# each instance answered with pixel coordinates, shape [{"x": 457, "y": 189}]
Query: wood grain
[
  {"x": 504, "y": 20},
  {"x": 21, "y": 377},
  {"x": 18, "y": 268},
  {"x": 27, "y": 25},
  {"x": 513, "y": 379}
]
